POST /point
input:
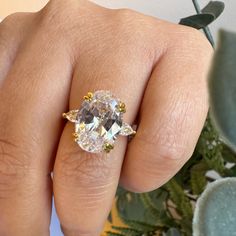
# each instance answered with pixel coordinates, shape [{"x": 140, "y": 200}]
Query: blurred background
[{"x": 165, "y": 9}]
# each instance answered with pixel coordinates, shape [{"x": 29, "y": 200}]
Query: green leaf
[
  {"x": 214, "y": 7},
  {"x": 179, "y": 198},
  {"x": 176, "y": 192},
  {"x": 215, "y": 213},
  {"x": 186, "y": 226},
  {"x": 160, "y": 215},
  {"x": 147, "y": 201},
  {"x": 198, "y": 182},
  {"x": 127, "y": 231},
  {"x": 198, "y": 21},
  {"x": 232, "y": 172},
  {"x": 109, "y": 233},
  {"x": 129, "y": 205},
  {"x": 210, "y": 147},
  {"x": 186, "y": 209},
  {"x": 140, "y": 225},
  {"x": 228, "y": 154},
  {"x": 222, "y": 87}
]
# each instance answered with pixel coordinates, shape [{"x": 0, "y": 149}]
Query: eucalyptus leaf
[
  {"x": 232, "y": 171},
  {"x": 127, "y": 231},
  {"x": 214, "y": 7},
  {"x": 222, "y": 87},
  {"x": 198, "y": 21},
  {"x": 198, "y": 181},
  {"x": 228, "y": 154},
  {"x": 110, "y": 233},
  {"x": 140, "y": 225},
  {"x": 215, "y": 213},
  {"x": 131, "y": 206}
]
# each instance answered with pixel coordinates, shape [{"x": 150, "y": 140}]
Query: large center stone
[{"x": 98, "y": 122}]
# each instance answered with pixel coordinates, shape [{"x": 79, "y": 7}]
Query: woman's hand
[{"x": 49, "y": 60}]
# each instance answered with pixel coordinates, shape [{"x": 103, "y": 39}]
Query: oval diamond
[{"x": 98, "y": 122}]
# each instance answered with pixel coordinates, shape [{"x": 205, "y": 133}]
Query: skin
[{"x": 49, "y": 60}]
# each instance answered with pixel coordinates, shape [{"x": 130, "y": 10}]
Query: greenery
[
  {"x": 222, "y": 87},
  {"x": 215, "y": 211},
  {"x": 169, "y": 210}
]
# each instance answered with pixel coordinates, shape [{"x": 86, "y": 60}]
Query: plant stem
[{"x": 206, "y": 29}]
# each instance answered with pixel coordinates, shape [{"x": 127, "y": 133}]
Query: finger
[
  {"x": 32, "y": 97},
  {"x": 13, "y": 29},
  {"x": 85, "y": 183},
  {"x": 172, "y": 114}
]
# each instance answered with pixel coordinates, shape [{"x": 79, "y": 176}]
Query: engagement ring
[{"x": 99, "y": 121}]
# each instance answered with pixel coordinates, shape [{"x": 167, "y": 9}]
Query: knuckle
[
  {"x": 125, "y": 14},
  {"x": 192, "y": 39},
  {"x": 134, "y": 32},
  {"x": 162, "y": 153},
  {"x": 52, "y": 19},
  {"x": 59, "y": 16},
  {"x": 14, "y": 28},
  {"x": 12, "y": 168},
  {"x": 7, "y": 26},
  {"x": 63, "y": 23},
  {"x": 166, "y": 143},
  {"x": 131, "y": 24},
  {"x": 198, "y": 37},
  {"x": 74, "y": 22},
  {"x": 13, "y": 20}
]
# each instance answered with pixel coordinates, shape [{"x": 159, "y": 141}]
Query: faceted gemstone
[
  {"x": 126, "y": 130},
  {"x": 98, "y": 122}
]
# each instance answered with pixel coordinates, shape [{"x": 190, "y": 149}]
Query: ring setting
[{"x": 99, "y": 121}]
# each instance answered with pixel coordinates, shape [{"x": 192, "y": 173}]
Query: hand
[{"x": 49, "y": 60}]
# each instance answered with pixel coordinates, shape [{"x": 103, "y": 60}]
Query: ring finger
[{"x": 85, "y": 183}]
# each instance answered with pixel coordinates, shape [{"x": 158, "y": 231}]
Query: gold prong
[
  {"x": 76, "y": 136},
  {"x": 108, "y": 147},
  {"x": 89, "y": 96},
  {"x": 82, "y": 125},
  {"x": 121, "y": 107}
]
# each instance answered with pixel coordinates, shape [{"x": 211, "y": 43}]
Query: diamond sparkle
[{"x": 98, "y": 122}]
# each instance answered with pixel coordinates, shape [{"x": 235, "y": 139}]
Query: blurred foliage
[
  {"x": 215, "y": 211},
  {"x": 222, "y": 87},
  {"x": 206, "y": 16},
  {"x": 168, "y": 211}
]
